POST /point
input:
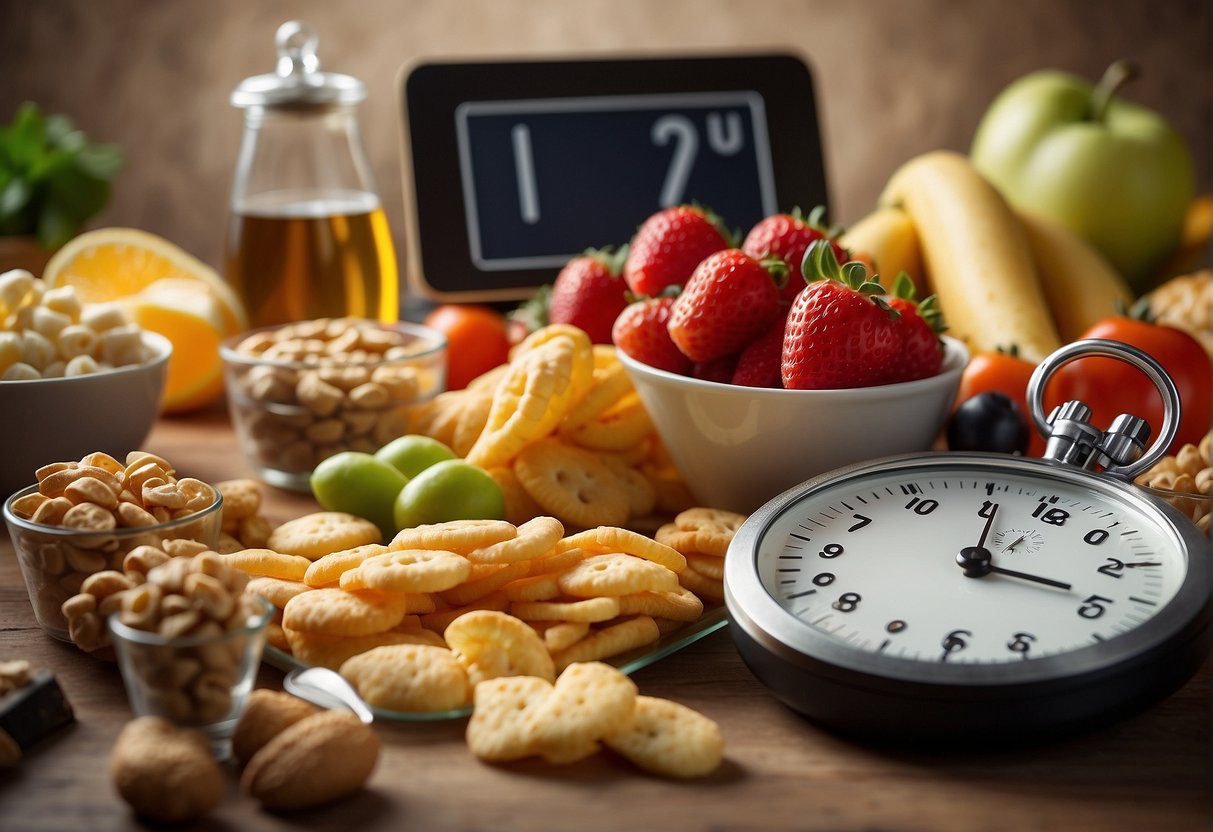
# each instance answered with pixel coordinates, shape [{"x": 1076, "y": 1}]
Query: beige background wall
[{"x": 894, "y": 78}]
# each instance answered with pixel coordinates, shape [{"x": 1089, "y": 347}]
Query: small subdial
[{"x": 1012, "y": 541}]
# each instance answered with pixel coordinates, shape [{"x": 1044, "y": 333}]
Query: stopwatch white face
[{"x": 953, "y": 565}]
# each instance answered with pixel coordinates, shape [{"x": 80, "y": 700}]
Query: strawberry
[
  {"x": 840, "y": 332},
  {"x": 718, "y": 369},
  {"x": 921, "y": 323},
  {"x": 589, "y": 293},
  {"x": 641, "y": 331},
  {"x": 668, "y": 247},
  {"x": 729, "y": 301},
  {"x": 788, "y": 237},
  {"x": 759, "y": 363}
]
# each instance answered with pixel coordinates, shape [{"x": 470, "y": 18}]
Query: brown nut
[
  {"x": 183, "y": 547},
  {"x": 318, "y": 396},
  {"x": 267, "y": 714},
  {"x": 143, "y": 559},
  {"x": 89, "y": 517},
  {"x": 102, "y": 585},
  {"x": 209, "y": 596},
  {"x": 369, "y": 396},
  {"x": 294, "y": 770},
  {"x": 166, "y": 774},
  {"x": 91, "y": 490},
  {"x": 86, "y": 561},
  {"x": 24, "y": 507},
  {"x": 52, "y": 511}
]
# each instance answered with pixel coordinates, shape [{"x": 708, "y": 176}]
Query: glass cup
[
  {"x": 55, "y": 561},
  {"x": 197, "y": 681},
  {"x": 1196, "y": 507},
  {"x": 284, "y": 439}
]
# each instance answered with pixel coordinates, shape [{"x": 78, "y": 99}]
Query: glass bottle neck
[{"x": 302, "y": 163}]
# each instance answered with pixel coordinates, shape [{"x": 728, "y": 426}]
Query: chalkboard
[{"x": 511, "y": 168}]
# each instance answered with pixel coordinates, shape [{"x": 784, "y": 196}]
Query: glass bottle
[{"x": 307, "y": 237}]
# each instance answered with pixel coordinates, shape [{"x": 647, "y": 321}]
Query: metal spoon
[{"x": 328, "y": 689}]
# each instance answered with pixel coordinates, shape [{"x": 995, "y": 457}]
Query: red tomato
[
  {"x": 476, "y": 341},
  {"x": 1002, "y": 373},
  {"x": 1113, "y": 387}
]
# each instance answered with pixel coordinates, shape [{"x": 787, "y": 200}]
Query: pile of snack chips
[
  {"x": 1189, "y": 472},
  {"x": 563, "y": 432},
  {"x": 545, "y": 600}
]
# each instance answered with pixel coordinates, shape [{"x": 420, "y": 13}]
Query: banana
[
  {"x": 887, "y": 238},
  {"x": 1080, "y": 286},
  {"x": 976, "y": 255}
]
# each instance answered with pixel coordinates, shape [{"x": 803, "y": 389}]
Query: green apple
[
  {"x": 1113, "y": 172},
  {"x": 359, "y": 484},
  {"x": 410, "y": 455},
  {"x": 450, "y": 490}
]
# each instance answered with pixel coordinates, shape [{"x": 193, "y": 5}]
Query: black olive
[{"x": 989, "y": 422}]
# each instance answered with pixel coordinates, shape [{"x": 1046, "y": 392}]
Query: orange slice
[
  {"x": 115, "y": 263},
  {"x": 187, "y": 314}
]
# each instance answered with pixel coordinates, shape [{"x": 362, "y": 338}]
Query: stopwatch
[{"x": 960, "y": 597}]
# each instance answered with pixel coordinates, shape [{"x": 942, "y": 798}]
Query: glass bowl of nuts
[
  {"x": 84, "y": 517},
  {"x": 301, "y": 392},
  {"x": 1185, "y": 480},
  {"x": 188, "y": 641}
]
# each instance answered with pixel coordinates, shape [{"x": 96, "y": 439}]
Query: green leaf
[
  {"x": 26, "y": 135},
  {"x": 100, "y": 161},
  {"x": 55, "y": 227},
  {"x": 58, "y": 128},
  {"x": 14, "y": 197},
  {"x": 903, "y": 287}
]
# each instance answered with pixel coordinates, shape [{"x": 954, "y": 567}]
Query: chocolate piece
[{"x": 35, "y": 710}]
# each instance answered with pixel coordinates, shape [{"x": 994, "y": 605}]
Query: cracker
[
  {"x": 609, "y": 641},
  {"x": 535, "y": 588},
  {"x": 473, "y": 416},
  {"x": 624, "y": 425},
  {"x": 241, "y": 499},
  {"x": 492, "y": 644},
  {"x": 614, "y": 575},
  {"x": 519, "y": 507},
  {"x": 501, "y": 728},
  {"x": 588, "y": 701},
  {"x": 336, "y": 612},
  {"x": 572, "y": 484},
  {"x": 614, "y": 539},
  {"x": 669, "y": 739},
  {"x": 477, "y": 588},
  {"x": 328, "y": 570},
  {"x": 706, "y": 565},
  {"x": 409, "y": 570},
  {"x": 408, "y": 677},
  {"x": 528, "y": 404},
  {"x": 333, "y": 651},
  {"x": 611, "y": 383},
  {"x": 590, "y": 611},
  {"x": 711, "y": 529},
  {"x": 275, "y": 590},
  {"x": 315, "y": 535},
  {"x": 564, "y": 634},
  {"x": 439, "y": 621},
  {"x": 268, "y": 563},
  {"x": 642, "y": 496},
  {"x": 708, "y": 590},
  {"x": 458, "y": 536},
  {"x": 679, "y": 605},
  {"x": 536, "y": 537}
]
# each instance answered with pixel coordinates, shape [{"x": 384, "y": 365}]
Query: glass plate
[{"x": 712, "y": 620}]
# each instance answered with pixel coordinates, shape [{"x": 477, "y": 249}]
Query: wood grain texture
[
  {"x": 894, "y": 79},
  {"x": 782, "y": 772}
]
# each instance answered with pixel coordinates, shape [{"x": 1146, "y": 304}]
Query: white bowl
[
  {"x": 59, "y": 419},
  {"x": 738, "y": 447}
]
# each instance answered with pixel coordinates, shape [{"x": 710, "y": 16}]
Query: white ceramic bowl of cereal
[
  {"x": 67, "y": 417},
  {"x": 738, "y": 447}
]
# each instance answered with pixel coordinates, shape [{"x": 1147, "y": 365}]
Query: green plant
[{"x": 52, "y": 179}]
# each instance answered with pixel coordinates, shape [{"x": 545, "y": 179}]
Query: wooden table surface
[{"x": 1151, "y": 772}]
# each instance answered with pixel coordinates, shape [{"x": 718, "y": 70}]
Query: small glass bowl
[
  {"x": 1196, "y": 507},
  {"x": 202, "y": 682},
  {"x": 55, "y": 560},
  {"x": 284, "y": 438}
]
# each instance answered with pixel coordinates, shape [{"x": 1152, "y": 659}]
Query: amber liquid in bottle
[{"x": 294, "y": 260}]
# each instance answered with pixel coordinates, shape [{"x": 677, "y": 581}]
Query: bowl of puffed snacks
[
  {"x": 1185, "y": 480},
  {"x": 74, "y": 377}
]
